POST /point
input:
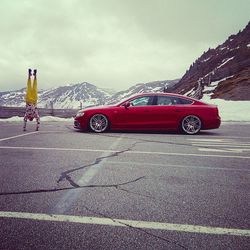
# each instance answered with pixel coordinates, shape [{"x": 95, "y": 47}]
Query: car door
[
  {"x": 135, "y": 116},
  {"x": 166, "y": 112}
]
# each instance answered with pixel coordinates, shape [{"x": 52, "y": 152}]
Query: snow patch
[
  {"x": 223, "y": 48},
  {"x": 228, "y": 110},
  {"x": 213, "y": 85},
  {"x": 227, "y": 60},
  {"x": 190, "y": 92},
  {"x": 43, "y": 119},
  {"x": 235, "y": 48},
  {"x": 231, "y": 110},
  {"x": 205, "y": 60}
]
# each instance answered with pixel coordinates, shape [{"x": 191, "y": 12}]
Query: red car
[{"x": 151, "y": 111}]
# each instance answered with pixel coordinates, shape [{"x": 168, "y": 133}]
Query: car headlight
[{"x": 80, "y": 113}]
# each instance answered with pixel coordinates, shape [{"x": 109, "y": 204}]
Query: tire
[
  {"x": 191, "y": 125},
  {"x": 98, "y": 123}
]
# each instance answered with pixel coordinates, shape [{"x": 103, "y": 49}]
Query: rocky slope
[
  {"x": 223, "y": 72},
  {"x": 231, "y": 61}
]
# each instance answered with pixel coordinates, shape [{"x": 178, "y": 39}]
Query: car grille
[{"x": 77, "y": 124}]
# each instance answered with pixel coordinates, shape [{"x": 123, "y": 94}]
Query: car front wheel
[
  {"x": 191, "y": 124},
  {"x": 98, "y": 123}
]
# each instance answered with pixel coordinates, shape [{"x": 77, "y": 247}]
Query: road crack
[
  {"x": 66, "y": 174},
  {"x": 73, "y": 187},
  {"x": 136, "y": 228}
]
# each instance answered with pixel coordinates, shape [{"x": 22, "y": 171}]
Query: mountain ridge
[
  {"x": 229, "y": 59},
  {"x": 222, "y": 72},
  {"x": 79, "y": 95}
]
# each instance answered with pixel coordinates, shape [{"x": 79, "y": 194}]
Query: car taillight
[{"x": 217, "y": 111}]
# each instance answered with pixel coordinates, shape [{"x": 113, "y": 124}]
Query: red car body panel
[{"x": 152, "y": 117}]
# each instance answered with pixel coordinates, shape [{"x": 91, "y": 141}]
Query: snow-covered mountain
[
  {"x": 156, "y": 86},
  {"x": 223, "y": 72},
  {"x": 69, "y": 96},
  {"x": 78, "y": 95},
  {"x": 73, "y": 96},
  {"x": 13, "y": 98}
]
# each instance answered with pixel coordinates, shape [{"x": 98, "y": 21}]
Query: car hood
[{"x": 98, "y": 107}]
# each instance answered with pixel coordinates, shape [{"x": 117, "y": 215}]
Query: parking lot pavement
[{"x": 65, "y": 189}]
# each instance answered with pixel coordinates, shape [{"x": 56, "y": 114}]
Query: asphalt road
[{"x": 64, "y": 189}]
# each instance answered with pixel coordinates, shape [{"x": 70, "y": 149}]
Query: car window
[
  {"x": 185, "y": 101},
  {"x": 142, "y": 101},
  {"x": 172, "y": 100},
  {"x": 176, "y": 100},
  {"x": 164, "y": 100}
]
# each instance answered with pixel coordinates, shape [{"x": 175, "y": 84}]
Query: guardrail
[{"x": 7, "y": 112}]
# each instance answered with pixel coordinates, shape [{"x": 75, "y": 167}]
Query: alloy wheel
[
  {"x": 191, "y": 124},
  {"x": 98, "y": 123}
]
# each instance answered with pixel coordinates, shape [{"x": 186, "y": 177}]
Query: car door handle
[{"x": 178, "y": 110}]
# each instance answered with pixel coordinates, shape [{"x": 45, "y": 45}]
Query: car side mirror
[{"x": 127, "y": 104}]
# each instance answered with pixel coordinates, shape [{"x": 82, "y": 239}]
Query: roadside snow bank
[
  {"x": 234, "y": 111},
  {"x": 43, "y": 119},
  {"x": 231, "y": 110}
]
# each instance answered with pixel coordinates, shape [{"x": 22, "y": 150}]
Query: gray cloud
[{"x": 110, "y": 43}]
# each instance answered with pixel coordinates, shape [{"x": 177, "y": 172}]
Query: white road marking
[
  {"x": 127, "y": 152},
  {"x": 226, "y": 150},
  {"x": 127, "y": 223},
  {"x": 223, "y": 145},
  {"x": 175, "y": 166},
  {"x": 224, "y": 137},
  {"x": 72, "y": 195},
  {"x": 59, "y": 149},
  {"x": 16, "y": 136},
  {"x": 208, "y": 140}
]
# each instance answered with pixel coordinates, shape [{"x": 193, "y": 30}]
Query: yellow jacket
[{"x": 31, "y": 92}]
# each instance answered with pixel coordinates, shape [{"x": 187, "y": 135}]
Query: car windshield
[
  {"x": 141, "y": 101},
  {"x": 121, "y": 101}
]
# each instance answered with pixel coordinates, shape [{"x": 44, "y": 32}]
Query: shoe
[
  {"x": 30, "y": 72},
  {"x": 35, "y": 71}
]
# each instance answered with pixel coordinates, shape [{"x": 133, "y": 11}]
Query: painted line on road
[
  {"x": 223, "y": 137},
  {"x": 127, "y": 152},
  {"x": 71, "y": 196},
  {"x": 175, "y": 166},
  {"x": 127, "y": 223},
  {"x": 225, "y": 150},
  {"x": 208, "y": 140},
  {"x": 222, "y": 145},
  {"x": 16, "y": 136},
  {"x": 217, "y": 142}
]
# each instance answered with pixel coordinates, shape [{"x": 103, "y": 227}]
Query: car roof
[{"x": 162, "y": 94}]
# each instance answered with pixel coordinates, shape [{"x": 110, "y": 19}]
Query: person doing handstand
[{"x": 31, "y": 111}]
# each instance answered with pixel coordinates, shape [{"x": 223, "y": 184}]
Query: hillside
[
  {"x": 222, "y": 73},
  {"x": 230, "y": 60}
]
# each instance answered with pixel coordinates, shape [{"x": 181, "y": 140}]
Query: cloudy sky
[{"x": 110, "y": 43}]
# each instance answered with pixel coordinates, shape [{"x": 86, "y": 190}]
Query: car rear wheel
[
  {"x": 98, "y": 123},
  {"x": 191, "y": 124}
]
